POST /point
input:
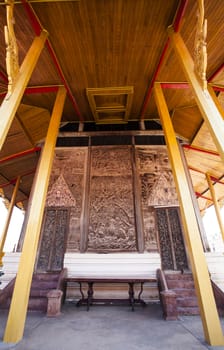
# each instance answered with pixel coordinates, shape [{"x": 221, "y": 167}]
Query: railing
[{"x": 167, "y": 297}]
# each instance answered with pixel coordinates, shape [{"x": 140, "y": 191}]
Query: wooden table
[{"x": 89, "y": 300}]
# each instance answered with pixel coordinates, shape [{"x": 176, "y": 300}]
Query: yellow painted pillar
[
  {"x": 9, "y": 105},
  {"x": 207, "y": 105},
  {"x": 9, "y": 215},
  {"x": 216, "y": 204},
  {"x": 17, "y": 313},
  {"x": 209, "y": 315}
]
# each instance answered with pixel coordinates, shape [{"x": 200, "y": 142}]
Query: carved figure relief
[
  {"x": 60, "y": 195},
  {"x": 111, "y": 224},
  {"x": 200, "y": 46},
  {"x": 157, "y": 188},
  {"x": 12, "y": 61}
]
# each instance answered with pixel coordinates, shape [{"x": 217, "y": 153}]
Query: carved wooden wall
[{"x": 111, "y": 193}]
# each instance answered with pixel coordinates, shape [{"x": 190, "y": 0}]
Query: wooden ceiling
[{"x": 110, "y": 45}]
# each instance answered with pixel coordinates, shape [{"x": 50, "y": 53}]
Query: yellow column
[
  {"x": 216, "y": 205},
  {"x": 206, "y": 104},
  {"x": 10, "y": 210},
  {"x": 209, "y": 315},
  {"x": 9, "y": 106},
  {"x": 17, "y": 313}
]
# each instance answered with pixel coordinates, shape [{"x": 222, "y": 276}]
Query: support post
[
  {"x": 216, "y": 204},
  {"x": 9, "y": 215},
  {"x": 209, "y": 315},
  {"x": 9, "y": 105},
  {"x": 206, "y": 104},
  {"x": 17, "y": 313}
]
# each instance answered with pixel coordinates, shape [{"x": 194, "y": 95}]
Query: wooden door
[
  {"x": 172, "y": 249},
  {"x": 53, "y": 239}
]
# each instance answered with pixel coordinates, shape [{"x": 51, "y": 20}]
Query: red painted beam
[
  {"x": 196, "y": 170},
  {"x": 37, "y": 27},
  {"x": 201, "y": 150},
  {"x": 202, "y": 196},
  {"x": 175, "y": 85},
  {"x": 149, "y": 92},
  {"x": 36, "y": 90},
  {"x": 218, "y": 88},
  {"x": 13, "y": 181},
  {"x": 57, "y": 65},
  {"x": 216, "y": 72},
  {"x": 213, "y": 178},
  {"x": 40, "y": 89},
  {"x": 20, "y": 154},
  {"x": 178, "y": 17}
]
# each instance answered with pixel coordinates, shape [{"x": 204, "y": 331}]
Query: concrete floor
[{"x": 109, "y": 328}]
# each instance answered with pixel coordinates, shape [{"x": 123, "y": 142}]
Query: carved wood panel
[
  {"x": 66, "y": 189},
  {"x": 172, "y": 248},
  {"x": 111, "y": 217},
  {"x": 51, "y": 253}
]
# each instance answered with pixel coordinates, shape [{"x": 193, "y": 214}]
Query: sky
[
  {"x": 209, "y": 220},
  {"x": 14, "y": 227}
]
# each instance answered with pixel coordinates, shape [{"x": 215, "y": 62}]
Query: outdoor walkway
[{"x": 109, "y": 328}]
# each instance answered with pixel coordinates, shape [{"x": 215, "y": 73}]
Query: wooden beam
[
  {"x": 17, "y": 313},
  {"x": 207, "y": 106},
  {"x": 216, "y": 205},
  {"x": 9, "y": 106},
  {"x": 209, "y": 315},
  {"x": 9, "y": 215}
]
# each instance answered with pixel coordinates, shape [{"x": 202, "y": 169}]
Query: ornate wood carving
[
  {"x": 164, "y": 239},
  {"x": 200, "y": 47},
  {"x": 157, "y": 188},
  {"x": 171, "y": 239},
  {"x": 12, "y": 62},
  {"x": 177, "y": 238},
  {"x": 52, "y": 248},
  {"x": 111, "y": 225},
  {"x": 60, "y": 194}
]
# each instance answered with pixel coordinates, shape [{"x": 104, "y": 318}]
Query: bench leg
[
  {"x": 90, "y": 295},
  {"x": 131, "y": 295}
]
